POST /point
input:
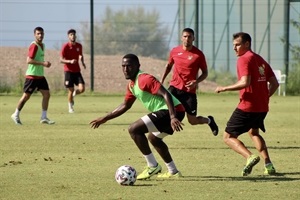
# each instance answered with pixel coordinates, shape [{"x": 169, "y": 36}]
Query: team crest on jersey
[
  {"x": 77, "y": 49},
  {"x": 190, "y": 57},
  {"x": 261, "y": 70}
]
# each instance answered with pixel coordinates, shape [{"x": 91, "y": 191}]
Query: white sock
[
  {"x": 208, "y": 121},
  {"x": 151, "y": 161},
  {"x": 44, "y": 114},
  {"x": 268, "y": 164},
  {"x": 70, "y": 105},
  {"x": 17, "y": 112},
  {"x": 74, "y": 93},
  {"x": 171, "y": 167}
]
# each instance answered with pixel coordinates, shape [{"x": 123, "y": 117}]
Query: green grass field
[{"x": 69, "y": 160}]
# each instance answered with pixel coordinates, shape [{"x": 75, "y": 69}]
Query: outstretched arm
[
  {"x": 121, "y": 109},
  {"x": 242, "y": 83}
]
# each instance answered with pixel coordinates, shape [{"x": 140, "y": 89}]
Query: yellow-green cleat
[
  {"x": 269, "y": 169},
  {"x": 148, "y": 172},
  {"x": 251, "y": 162},
  {"x": 167, "y": 175}
]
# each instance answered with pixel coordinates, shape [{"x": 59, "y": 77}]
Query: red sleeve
[
  {"x": 32, "y": 51},
  {"x": 62, "y": 53},
  {"x": 129, "y": 96},
  {"x": 149, "y": 83}
]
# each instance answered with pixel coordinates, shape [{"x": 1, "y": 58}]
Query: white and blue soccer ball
[{"x": 126, "y": 175}]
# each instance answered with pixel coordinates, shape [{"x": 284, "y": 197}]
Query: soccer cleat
[
  {"x": 16, "y": 119},
  {"x": 71, "y": 110},
  {"x": 251, "y": 162},
  {"x": 213, "y": 126},
  {"x": 47, "y": 121},
  {"x": 148, "y": 172},
  {"x": 269, "y": 169},
  {"x": 169, "y": 175}
]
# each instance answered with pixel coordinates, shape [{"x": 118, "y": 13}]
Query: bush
[{"x": 293, "y": 84}]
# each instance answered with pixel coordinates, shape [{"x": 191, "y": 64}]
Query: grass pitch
[{"x": 69, "y": 160}]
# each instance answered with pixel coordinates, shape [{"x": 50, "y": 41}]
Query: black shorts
[
  {"x": 241, "y": 122},
  {"x": 161, "y": 120},
  {"x": 31, "y": 84},
  {"x": 72, "y": 79},
  {"x": 188, "y": 100}
]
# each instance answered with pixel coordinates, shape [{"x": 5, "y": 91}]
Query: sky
[{"x": 18, "y": 18}]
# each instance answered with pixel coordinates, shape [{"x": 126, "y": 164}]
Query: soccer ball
[{"x": 125, "y": 175}]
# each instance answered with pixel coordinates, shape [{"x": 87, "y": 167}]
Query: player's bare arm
[
  {"x": 242, "y": 83},
  {"x": 82, "y": 61},
  {"x": 121, "y": 109},
  {"x": 193, "y": 83},
  {"x": 35, "y": 62},
  {"x": 175, "y": 123},
  {"x": 65, "y": 61},
  {"x": 167, "y": 71},
  {"x": 273, "y": 85}
]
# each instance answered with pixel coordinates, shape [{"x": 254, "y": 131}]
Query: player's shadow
[{"x": 278, "y": 177}]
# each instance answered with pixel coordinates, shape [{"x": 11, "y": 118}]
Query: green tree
[{"x": 124, "y": 31}]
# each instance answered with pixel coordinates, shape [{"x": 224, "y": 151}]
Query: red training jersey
[
  {"x": 186, "y": 66},
  {"x": 70, "y": 52},
  {"x": 255, "y": 97}
]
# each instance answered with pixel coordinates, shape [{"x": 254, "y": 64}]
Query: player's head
[
  {"x": 130, "y": 66},
  {"x": 38, "y": 34},
  {"x": 187, "y": 37},
  {"x": 241, "y": 43},
  {"x": 72, "y": 35}
]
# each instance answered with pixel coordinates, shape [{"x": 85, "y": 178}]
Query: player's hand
[
  {"x": 191, "y": 84},
  {"x": 220, "y": 89},
  {"x": 47, "y": 64},
  {"x": 97, "y": 122},
  {"x": 176, "y": 124},
  {"x": 73, "y": 61}
]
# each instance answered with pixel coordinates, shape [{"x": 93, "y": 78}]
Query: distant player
[
  {"x": 256, "y": 83},
  {"x": 71, "y": 54},
  {"x": 35, "y": 78}
]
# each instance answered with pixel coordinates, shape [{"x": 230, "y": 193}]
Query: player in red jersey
[
  {"x": 71, "y": 54},
  {"x": 256, "y": 83},
  {"x": 186, "y": 61}
]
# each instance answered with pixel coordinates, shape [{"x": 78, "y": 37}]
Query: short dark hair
[
  {"x": 245, "y": 37},
  {"x": 188, "y": 30},
  {"x": 133, "y": 58},
  {"x": 71, "y": 31},
  {"x": 38, "y": 29}
]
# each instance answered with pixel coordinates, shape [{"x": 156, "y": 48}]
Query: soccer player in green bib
[
  {"x": 166, "y": 114},
  {"x": 35, "y": 78}
]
